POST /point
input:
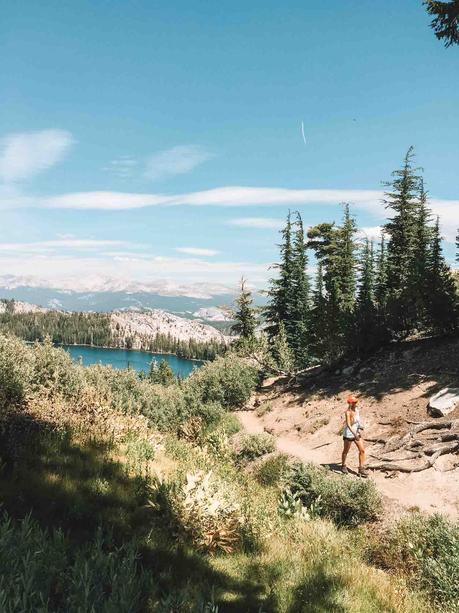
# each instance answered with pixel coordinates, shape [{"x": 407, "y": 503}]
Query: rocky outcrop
[
  {"x": 148, "y": 325},
  {"x": 17, "y": 307}
]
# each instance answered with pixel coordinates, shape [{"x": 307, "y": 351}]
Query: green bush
[
  {"x": 16, "y": 370},
  {"x": 274, "y": 470},
  {"x": 344, "y": 500},
  {"x": 228, "y": 381},
  {"x": 254, "y": 446},
  {"x": 55, "y": 372},
  {"x": 43, "y": 571},
  {"x": 427, "y": 549}
]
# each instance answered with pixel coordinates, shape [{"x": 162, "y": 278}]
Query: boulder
[{"x": 443, "y": 402}]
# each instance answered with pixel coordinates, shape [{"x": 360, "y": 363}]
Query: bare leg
[
  {"x": 346, "y": 447},
  {"x": 361, "y": 449}
]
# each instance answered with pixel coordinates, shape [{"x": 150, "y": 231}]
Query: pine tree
[
  {"x": 297, "y": 327},
  {"x": 281, "y": 351},
  {"x": 317, "y": 324},
  {"x": 366, "y": 337},
  {"x": 442, "y": 291},
  {"x": 419, "y": 277},
  {"x": 244, "y": 314},
  {"x": 401, "y": 232},
  {"x": 381, "y": 275},
  {"x": 161, "y": 373},
  {"x": 334, "y": 247},
  {"x": 281, "y": 291},
  {"x": 345, "y": 262}
]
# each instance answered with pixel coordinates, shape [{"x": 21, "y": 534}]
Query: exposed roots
[{"x": 428, "y": 448}]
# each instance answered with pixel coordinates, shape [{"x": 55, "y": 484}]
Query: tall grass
[{"x": 44, "y": 571}]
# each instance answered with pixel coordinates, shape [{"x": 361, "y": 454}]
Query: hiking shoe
[
  {"x": 344, "y": 470},
  {"x": 363, "y": 472}
]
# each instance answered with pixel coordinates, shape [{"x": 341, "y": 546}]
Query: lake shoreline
[
  {"x": 125, "y": 349},
  {"x": 134, "y": 359}
]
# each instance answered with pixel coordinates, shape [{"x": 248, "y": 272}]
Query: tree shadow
[
  {"x": 70, "y": 482},
  {"x": 392, "y": 369},
  {"x": 318, "y": 593},
  {"x": 74, "y": 486}
]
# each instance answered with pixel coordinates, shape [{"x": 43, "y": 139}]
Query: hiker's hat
[{"x": 352, "y": 400}]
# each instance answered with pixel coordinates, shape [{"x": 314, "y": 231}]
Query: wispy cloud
[
  {"x": 198, "y": 251},
  {"x": 257, "y": 222},
  {"x": 221, "y": 196},
  {"x": 368, "y": 201},
  {"x": 51, "y": 246},
  {"x": 175, "y": 161},
  {"x": 122, "y": 167},
  {"x": 26, "y": 154}
]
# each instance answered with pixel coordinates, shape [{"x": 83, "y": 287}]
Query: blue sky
[{"x": 152, "y": 140}]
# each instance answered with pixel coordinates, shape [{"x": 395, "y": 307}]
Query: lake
[{"x": 123, "y": 358}]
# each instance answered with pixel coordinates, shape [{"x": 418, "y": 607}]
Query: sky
[{"x": 151, "y": 140}]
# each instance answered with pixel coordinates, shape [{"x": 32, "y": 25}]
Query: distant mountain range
[{"x": 94, "y": 293}]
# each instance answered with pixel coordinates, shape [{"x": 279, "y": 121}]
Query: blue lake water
[{"x": 123, "y": 358}]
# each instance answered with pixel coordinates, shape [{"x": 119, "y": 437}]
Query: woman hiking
[{"x": 351, "y": 433}]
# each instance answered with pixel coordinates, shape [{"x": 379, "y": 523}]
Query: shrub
[
  {"x": 43, "y": 571},
  {"x": 344, "y": 500},
  {"x": 55, "y": 372},
  {"x": 427, "y": 549},
  {"x": 122, "y": 388},
  {"x": 139, "y": 450},
  {"x": 254, "y": 446},
  {"x": 228, "y": 380},
  {"x": 16, "y": 369},
  {"x": 201, "y": 509},
  {"x": 165, "y": 407},
  {"x": 274, "y": 470},
  {"x": 264, "y": 408}
]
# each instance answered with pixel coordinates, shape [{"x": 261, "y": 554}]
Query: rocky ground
[{"x": 394, "y": 388}]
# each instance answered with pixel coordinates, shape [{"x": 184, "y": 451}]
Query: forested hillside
[{"x": 146, "y": 331}]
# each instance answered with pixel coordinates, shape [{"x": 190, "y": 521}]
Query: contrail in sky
[{"x": 302, "y": 132}]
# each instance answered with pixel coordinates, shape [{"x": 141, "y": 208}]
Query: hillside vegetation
[{"x": 124, "y": 495}]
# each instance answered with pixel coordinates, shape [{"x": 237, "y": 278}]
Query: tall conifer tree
[
  {"x": 419, "y": 277},
  {"x": 401, "y": 231},
  {"x": 281, "y": 290},
  {"x": 366, "y": 336},
  {"x": 334, "y": 247},
  {"x": 443, "y": 297},
  {"x": 244, "y": 314},
  {"x": 298, "y": 326}
]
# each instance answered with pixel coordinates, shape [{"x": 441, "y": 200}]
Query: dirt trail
[{"x": 395, "y": 388}]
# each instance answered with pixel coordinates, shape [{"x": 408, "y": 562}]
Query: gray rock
[{"x": 443, "y": 402}]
